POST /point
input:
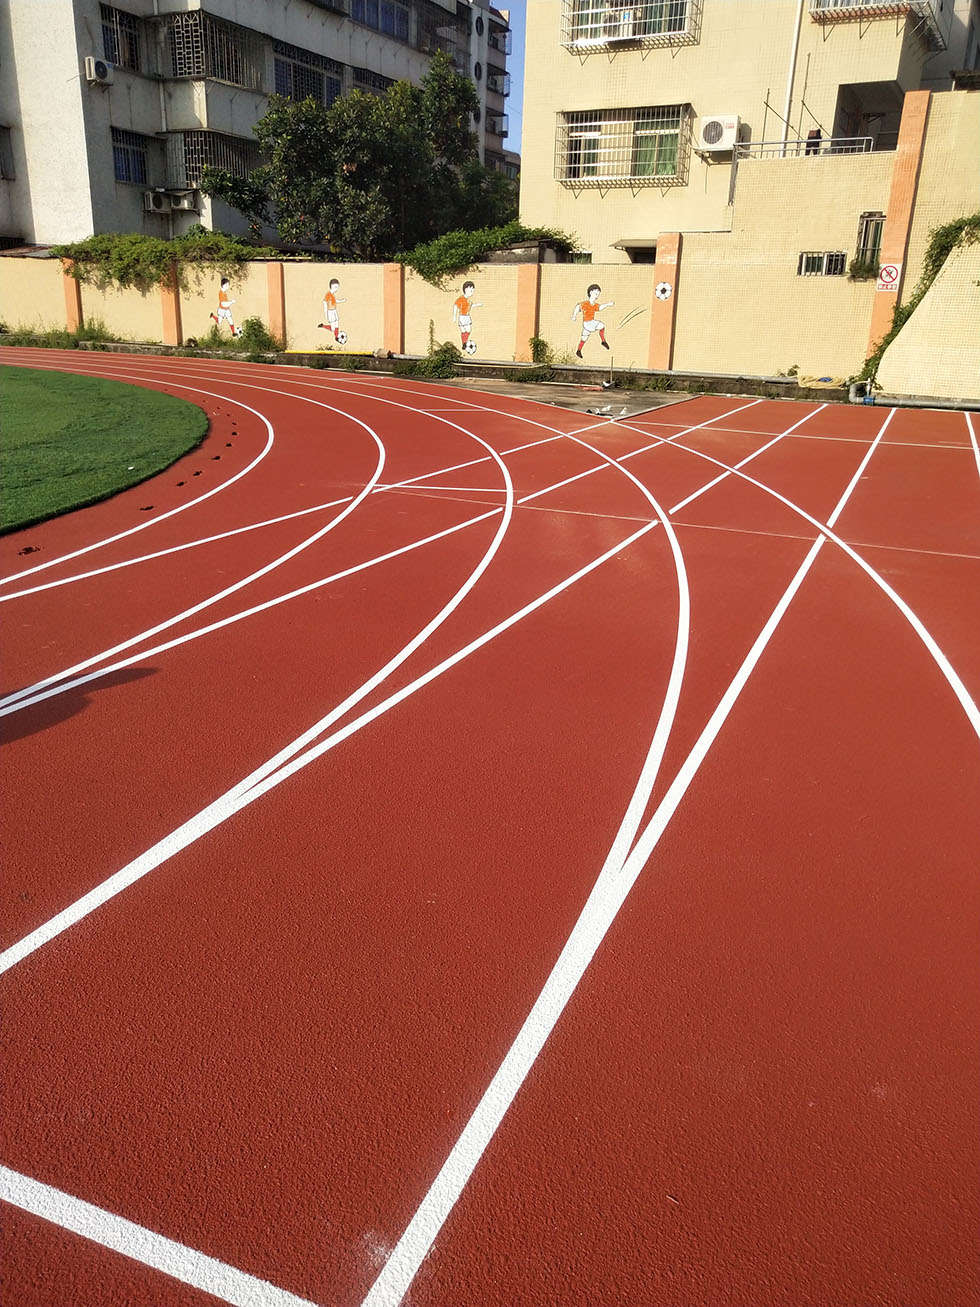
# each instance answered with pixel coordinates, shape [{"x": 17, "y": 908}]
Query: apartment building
[
  {"x": 110, "y": 112},
  {"x": 651, "y": 107}
]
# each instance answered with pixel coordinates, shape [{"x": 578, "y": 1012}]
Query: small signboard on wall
[{"x": 889, "y": 275}]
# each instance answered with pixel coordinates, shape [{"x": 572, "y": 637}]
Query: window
[
  {"x": 870, "y": 229},
  {"x": 830, "y": 263},
  {"x": 130, "y": 153},
  {"x": 6, "y": 156},
  {"x": 301, "y": 73},
  {"x": 121, "y": 38},
  {"x": 581, "y": 256},
  {"x": 624, "y": 147},
  {"x": 610, "y": 22},
  {"x": 189, "y": 153},
  {"x": 374, "y": 83},
  {"x": 202, "y": 46}
]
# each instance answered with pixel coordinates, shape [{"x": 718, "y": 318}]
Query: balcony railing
[
  {"x": 843, "y": 11},
  {"x": 497, "y": 124},
  {"x": 498, "y": 83},
  {"x": 592, "y": 25},
  {"x": 500, "y": 40},
  {"x": 798, "y": 147}
]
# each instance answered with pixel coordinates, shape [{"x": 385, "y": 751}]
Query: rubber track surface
[{"x": 753, "y": 1083}]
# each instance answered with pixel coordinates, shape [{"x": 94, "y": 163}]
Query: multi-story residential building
[
  {"x": 649, "y": 106},
  {"x": 109, "y": 112}
]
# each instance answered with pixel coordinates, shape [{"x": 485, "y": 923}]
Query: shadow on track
[{"x": 39, "y": 716}]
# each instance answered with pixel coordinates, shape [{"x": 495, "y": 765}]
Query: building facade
[
  {"x": 109, "y": 113},
  {"x": 651, "y": 108}
]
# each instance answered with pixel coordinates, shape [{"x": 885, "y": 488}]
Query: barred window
[
  {"x": 301, "y": 73},
  {"x": 606, "y": 22},
  {"x": 822, "y": 263},
  {"x": 191, "y": 152},
  {"x": 121, "y": 38},
  {"x": 366, "y": 80},
  {"x": 386, "y": 16},
  {"x": 130, "y": 153},
  {"x": 870, "y": 228},
  {"x": 624, "y": 147},
  {"x": 202, "y": 46}
]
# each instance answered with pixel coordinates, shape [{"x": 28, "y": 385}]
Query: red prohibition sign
[{"x": 889, "y": 273}]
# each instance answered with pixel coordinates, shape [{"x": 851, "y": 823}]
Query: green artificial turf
[{"x": 67, "y": 440}]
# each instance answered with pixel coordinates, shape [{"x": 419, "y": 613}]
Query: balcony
[
  {"x": 797, "y": 147},
  {"x": 922, "y": 12},
  {"x": 500, "y": 40},
  {"x": 498, "y": 82},
  {"x": 497, "y": 124},
  {"x": 589, "y": 26}
]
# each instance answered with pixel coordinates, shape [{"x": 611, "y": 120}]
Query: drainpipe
[{"x": 794, "y": 51}]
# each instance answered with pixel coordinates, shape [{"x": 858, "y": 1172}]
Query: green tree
[{"x": 371, "y": 175}]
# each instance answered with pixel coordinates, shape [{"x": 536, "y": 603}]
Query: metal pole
[{"x": 794, "y": 50}]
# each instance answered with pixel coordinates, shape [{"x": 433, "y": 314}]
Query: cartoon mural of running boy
[
  {"x": 462, "y": 316},
  {"x": 590, "y": 309},
  {"x": 332, "y": 314},
  {"x": 224, "y": 307}
]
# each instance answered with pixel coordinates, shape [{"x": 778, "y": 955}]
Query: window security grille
[
  {"x": 190, "y": 152},
  {"x": 601, "y": 24},
  {"x": 498, "y": 81},
  {"x": 870, "y": 229},
  {"x": 122, "y": 39},
  {"x": 498, "y": 124},
  {"x": 923, "y": 13},
  {"x": 202, "y": 46},
  {"x": 301, "y": 73},
  {"x": 822, "y": 263},
  {"x": 385, "y": 16},
  {"x": 624, "y": 147},
  {"x": 373, "y": 83},
  {"x": 439, "y": 30},
  {"x": 500, "y": 40},
  {"x": 130, "y": 153}
]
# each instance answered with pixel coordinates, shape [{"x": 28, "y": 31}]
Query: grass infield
[{"x": 67, "y": 441}]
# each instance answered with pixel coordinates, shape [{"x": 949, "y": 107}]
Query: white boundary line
[
  {"x": 255, "y": 526},
  {"x": 161, "y": 517},
  {"x": 136, "y": 1242},
  {"x": 973, "y": 439},
  {"x": 614, "y": 883}
]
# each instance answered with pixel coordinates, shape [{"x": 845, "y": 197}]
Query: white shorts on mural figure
[
  {"x": 589, "y": 327},
  {"x": 224, "y": 315},
  {"x": 332, "y": 316}
]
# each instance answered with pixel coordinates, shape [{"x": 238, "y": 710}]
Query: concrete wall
[
  {"x": 494, "y": 312},
  {"x": 361, "y": 315},
  {"x": 937, "y": 352},
  {"x": 249, "y": 290},
  {"x": 949, "y": 178},
  {"x": 564, "y": 285},
  {"x": 32, "y": 294},
  {"x": 742, "y": 305},
  {"x": 128, "y": 314}
]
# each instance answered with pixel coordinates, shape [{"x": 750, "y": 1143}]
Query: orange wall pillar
[
  {"x": 73, "y": 297},
  {"x": 528, "y": 300},
  {"x": 901, "y": 205},
  {"x": 393, "y": 283},
  {"x": 173, "y": 332},
  {"x": 277, "y": 300},
  {"x": 663, "y": 311}
]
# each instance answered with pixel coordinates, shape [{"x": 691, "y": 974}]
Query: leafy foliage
[
  {"x": 142, "y": 262},
  {"x": 57, "y": 338},
  {"x": 255, "y": 339},
  {"x": 370, "y": 175},
  {"x": 440, "y": 362},
  {"x": 456, "y": 250},
  {"x": 863, "y": 269},
  {"x": 942, "y": 241}
]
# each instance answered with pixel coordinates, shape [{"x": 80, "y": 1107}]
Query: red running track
[{"x": 578, "y": 905}]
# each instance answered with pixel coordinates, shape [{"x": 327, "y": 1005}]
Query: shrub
[
  {"x": 457, "y": 250},
  {"x": 130, "y": 259},
  {"x": 440, "y": 362},
  {"x": 56, "y": 337}
]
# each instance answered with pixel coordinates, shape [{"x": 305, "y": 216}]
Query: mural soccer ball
[
  {"x": 342, "y": 338},
  {"x": 470, "y": 347},
  {"x": 237, "y": 331}
]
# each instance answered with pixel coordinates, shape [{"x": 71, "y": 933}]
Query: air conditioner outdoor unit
[
  {"x": 718, "y": 134},
  {"x": 98, "y": 72},
  {"x": 157, "y": 202},
  {"x": 186, "y": 203}
]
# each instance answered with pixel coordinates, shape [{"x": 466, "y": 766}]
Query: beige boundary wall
[{"x": 929, "y": 356}]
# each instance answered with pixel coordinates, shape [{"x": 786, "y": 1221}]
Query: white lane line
[
  {"x": 230, "y": 803},
  {"x": 141, "y": 1245},
  {"x": 973, "y": 439},
  {"x": 161, "y": 517},
  {"x": 601, "y": 908},
  {"x": 271, "y": 521},
  {"x": 748, "y": 459},
  {"x": 33, "y": 690},
  {"x": 935, "y": 652},
  {"x": 66, "y": 681}
]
